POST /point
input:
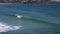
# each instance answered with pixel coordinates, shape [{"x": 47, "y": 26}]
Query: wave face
[{"x": 36, "y": 19}]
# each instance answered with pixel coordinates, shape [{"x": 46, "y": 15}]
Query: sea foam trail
[{"x": 6, "y": 27}]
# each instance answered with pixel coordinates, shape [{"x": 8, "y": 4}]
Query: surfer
[{"x": 18, "y": 16}]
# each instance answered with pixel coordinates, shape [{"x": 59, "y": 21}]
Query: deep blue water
[{"x": 36, "y": 18}]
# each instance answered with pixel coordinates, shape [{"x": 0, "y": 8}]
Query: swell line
[{"x": 28, "y": 18}]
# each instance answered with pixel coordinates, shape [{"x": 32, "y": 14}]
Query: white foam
[
  {"x": 6, "y": 28},
  {"x": 18, "y": 16}
]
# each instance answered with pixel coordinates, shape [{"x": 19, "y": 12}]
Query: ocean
[{"x": 36, "y": 19}]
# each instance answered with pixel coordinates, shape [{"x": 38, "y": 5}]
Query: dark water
[{"x": 36, "y": 18}]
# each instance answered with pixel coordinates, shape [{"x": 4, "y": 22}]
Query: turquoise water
[{"x": 36, "y": 18}]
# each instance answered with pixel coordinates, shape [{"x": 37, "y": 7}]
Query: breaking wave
[{"x": 5, "y": 27}]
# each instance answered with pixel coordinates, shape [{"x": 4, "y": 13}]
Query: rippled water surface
[{"x": 36, "y": 18}]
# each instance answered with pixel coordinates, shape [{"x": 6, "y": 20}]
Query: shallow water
[{"x": 36, "y": 18}]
